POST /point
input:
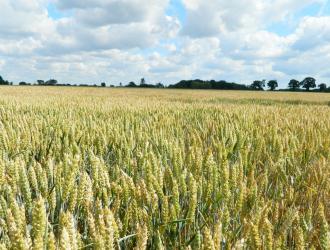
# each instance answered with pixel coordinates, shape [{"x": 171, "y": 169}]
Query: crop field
[{"x": 101, "y": 168}]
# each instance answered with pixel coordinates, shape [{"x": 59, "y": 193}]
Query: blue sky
[
  {"x": 164, "y": 40},
  {"x": 176, "y": 8},
  {"x": 57, "y": 14}
]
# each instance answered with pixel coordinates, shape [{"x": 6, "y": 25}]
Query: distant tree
[
  {"x": 258, "y": 85},
  {"x": 308, "y": 83},
  {"x": 120, "y": 84},
  {"x": 200, "y": 84},
  {"x": 103, "y": 84},
  {"x": 131, "y": 85},
  {"x": 272, "y": 84},
  {"x": 51, "y": 82},
  {"x": 294, "y": 84},
  {"x": 160, "y": 85},
  {"x": 3, "y": 82},
  {"x": 142, "y": 82},
  {"x": 323, "y": 87},
  {"x": 23, "y": 83},
  {"x": 41, "y": 82}
]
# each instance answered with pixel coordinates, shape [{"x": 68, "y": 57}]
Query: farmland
[{"x": 101, "y": 168}]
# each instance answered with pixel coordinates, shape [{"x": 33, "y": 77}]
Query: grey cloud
[
  {"x": 106, "y": 12},
  {"x": 203, "y": 22},
  {"x": 114, "y": 13},
  {"x": 78, "y": 4},
  {"x": 74, "y": 38}
]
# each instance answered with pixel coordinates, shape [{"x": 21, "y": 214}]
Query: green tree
[
  {"x": 131, "y": 85},
  {"x": 272, "y": 84},
  {"x": 142, "y": 82},
  {"x": 160, "y": 85},
  {"x": 294, "y": 84},
  {"x": 51, "y": 82},
  {"x": 323, "y": 87},
  {"x": 41, "y": 82},
  {"x": 258, "y": 85},
  {"x": 308, "y": 83},
  {"x": 3, "y": 82},
  {"x": 103, "y": 84}
]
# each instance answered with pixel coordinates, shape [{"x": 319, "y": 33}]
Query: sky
[{"x": 113, "y": 41}]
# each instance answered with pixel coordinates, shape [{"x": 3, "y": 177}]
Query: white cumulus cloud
[{"x": 122, "y": 40}]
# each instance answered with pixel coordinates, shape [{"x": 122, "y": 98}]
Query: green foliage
[
  {"x": 4, "y": 82},
  {"x": 258, "y": 85},
  {"x": 294, "y": 84},
  {"x": 308, "y": 83},
  {"x": 272, "y": 84},
  {"x": 323, "y": 87},
  {"x": 200, "y": 84}
]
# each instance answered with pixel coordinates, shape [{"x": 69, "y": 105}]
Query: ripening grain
[{"x": 163, "y": 169}]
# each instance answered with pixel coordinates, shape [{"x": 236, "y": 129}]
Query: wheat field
[{"x": 100, "y": 168}]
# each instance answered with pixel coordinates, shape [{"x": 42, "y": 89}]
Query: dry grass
[
  {"x": 161, "y": 94},
  {"x": 163, "y": 169}
]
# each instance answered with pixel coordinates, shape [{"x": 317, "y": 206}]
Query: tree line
[
  {"x": 259, "y": 85},
  {"x": 309, "y": 84},
  {"x": 54, "y": 82},
  {"x": 4, "y": 82},
  {"x": 294, "y": 85}
]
